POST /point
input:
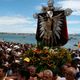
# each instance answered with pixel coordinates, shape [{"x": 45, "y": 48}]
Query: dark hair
[
  {"x": 77, "y": 75},
  {"x": 24, "y": 73}
]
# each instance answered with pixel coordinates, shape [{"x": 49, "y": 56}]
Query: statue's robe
[{"x": 50, "y": 41}]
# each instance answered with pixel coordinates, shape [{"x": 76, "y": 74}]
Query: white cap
[
  {"x": 16, "y": 46},
  {"x": 76, "y": 58},
  {"x": 9, "y": 49}
]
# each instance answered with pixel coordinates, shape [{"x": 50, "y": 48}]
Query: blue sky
[{"x": 16, "y": 16}]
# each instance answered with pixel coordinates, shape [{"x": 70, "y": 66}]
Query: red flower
[{"x": 37, "y": 50}]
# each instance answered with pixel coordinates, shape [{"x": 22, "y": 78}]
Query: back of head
[
  {"x": 70, "y": 73},
  {"x": 47, "y": 75}
]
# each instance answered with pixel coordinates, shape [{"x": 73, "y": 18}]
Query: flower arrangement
[{"x": 48, "y": 58}]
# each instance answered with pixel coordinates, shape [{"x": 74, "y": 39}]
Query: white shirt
[{"x": 61, "y": 78}]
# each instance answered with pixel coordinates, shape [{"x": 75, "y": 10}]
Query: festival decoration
[
  {"x": 48, "y": 58},
  {"x": 52, "y": 26}
]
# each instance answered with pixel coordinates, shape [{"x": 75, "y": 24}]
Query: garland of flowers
[{"x": 48, "y": 58}]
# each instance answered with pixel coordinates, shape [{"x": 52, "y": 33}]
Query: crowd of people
[
  {"x": 13, "y": 67},
  {"x": 10, "y": 60}
]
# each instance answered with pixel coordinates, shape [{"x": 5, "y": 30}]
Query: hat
[
  {"x": 1, "y": 49},
  {"x": 17, "y": 61},
  {"x": 9, "y": 49},
  {"x": 16, "y": 47},
  {"x": 27, "y": 59},
  {"x": 76, "y": 58}
]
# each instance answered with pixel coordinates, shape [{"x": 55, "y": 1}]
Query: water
[
  {"x": 21, "y": 38},
  {"x": 30, "y": 38},
  {"x": 73, "y": 41}
]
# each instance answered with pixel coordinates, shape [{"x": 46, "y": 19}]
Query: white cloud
[
  {"x": 39, "y": 7},
  {"x": 70, "y": 4},
  {"x": 14, "y": 20},
  {"x": 76, "y": 12},
  {"x": 72, "y": 30},
  {"x": 17, "y": 24},
  {"x": 73, "y": 4},
  {"x": 73, "y": 22},
  {"x": 18, "y": 29}
]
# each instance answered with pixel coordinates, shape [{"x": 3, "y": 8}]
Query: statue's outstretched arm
[{"x": 68, "y": 11}]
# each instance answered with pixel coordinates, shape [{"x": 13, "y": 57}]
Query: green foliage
[{"x": 47, "y": 58}]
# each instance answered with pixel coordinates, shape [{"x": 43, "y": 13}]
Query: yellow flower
[{"x": 27, "y": 59}]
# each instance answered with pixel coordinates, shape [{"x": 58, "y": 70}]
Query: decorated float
[
  {"x": 51, "y": 35},
  {"x": 52, "y": 26}
]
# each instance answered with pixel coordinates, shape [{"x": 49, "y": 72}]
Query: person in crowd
[
  {"x": 69, "y": 72},
  {"x": 32, "y": 71},
  {"x": 45, "y": 75},
  {"x": 79, "y": 46}
]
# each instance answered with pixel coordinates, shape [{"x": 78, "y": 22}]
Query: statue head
[{"x": 50, "y": 4}]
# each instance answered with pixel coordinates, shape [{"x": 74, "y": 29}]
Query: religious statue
[{"x": 52, "y": 26}]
